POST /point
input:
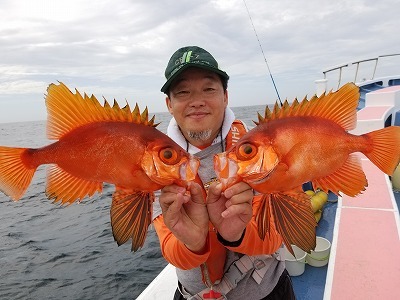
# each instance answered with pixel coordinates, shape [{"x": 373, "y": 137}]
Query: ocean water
[{"x": 48, "y": 251}]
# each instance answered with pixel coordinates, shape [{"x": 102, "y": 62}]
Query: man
[{"x": 211, "y": 237}]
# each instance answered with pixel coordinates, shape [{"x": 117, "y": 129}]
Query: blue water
[{"x": 48, "y": 251}]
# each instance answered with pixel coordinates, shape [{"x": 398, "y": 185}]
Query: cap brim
[{"x": 183, "y": 67}]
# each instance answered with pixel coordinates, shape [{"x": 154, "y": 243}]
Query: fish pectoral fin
[
  {"x": 66, "y": 188},
  {"x": 348, "y": 179},
  {"x": 293, "y": 219},
  {"x": 131, "y": 216},
  {"x": 263, "y": 216}
]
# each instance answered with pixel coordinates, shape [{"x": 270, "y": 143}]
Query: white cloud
[
  {"x": 120, "y": 48},
  {"x": 22, "y": 87}
]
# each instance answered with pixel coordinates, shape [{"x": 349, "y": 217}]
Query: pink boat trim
[{"x": 365, "y": 260}]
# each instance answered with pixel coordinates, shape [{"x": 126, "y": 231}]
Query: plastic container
[
  {"x": 295, "y": 265},
  {"x": 320, "y": 256}
]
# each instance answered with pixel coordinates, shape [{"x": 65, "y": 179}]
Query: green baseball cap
[{"x": 190, "y": 56}]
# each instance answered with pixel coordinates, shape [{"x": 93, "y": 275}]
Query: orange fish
[
  {"x": 98, "y": 144},
  {"x": 305, "y": 142}
]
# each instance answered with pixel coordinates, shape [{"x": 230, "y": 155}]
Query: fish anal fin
[
  {"x": 348, "y": 179},
  {"x": 66, "y": 188},
  {"x": 293, "y": 219},
  {"x": 131, "y": 216},
  {"x": 67, "y": 111}
]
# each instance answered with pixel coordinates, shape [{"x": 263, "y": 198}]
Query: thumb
[
  {"x": 173, "y": 208},
  {"x": 214, "y": 193},
  {"x": 197, "y": 193}
]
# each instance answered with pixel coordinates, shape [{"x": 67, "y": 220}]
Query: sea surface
[{"x": 49, "y": 251}]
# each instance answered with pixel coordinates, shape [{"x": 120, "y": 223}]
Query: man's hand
[
  {"x": 230, "y": 211},
  {"x": 186, "y": 215}
]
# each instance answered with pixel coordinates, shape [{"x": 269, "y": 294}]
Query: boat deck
[{"x": 365, "y": 259}]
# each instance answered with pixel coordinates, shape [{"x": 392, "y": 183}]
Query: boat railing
[{"x": 357, "y": 63}]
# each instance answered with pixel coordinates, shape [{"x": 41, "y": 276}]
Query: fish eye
[
  {"x": 168, "y": 155},
  {"x": 246, "y": 151}
]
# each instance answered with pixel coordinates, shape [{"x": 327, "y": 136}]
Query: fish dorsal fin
[
  {"x": 67, "y": 111},
  {"x": 339, "y": 107}
]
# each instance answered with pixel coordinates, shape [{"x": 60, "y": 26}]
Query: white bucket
[
  {"x": 295, "y": 265},
  {"x": 320, "y": 256}
]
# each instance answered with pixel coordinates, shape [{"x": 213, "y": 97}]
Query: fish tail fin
[
  {"x": 15, "y": 175},
  {"x": 131, "y": 216},
  {"x": 385, "y": 151}
]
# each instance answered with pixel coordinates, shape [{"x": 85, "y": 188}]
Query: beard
[{"x": 203, "y": 135}]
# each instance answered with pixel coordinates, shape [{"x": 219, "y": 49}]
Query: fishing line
[{"x": 262, "y": 51}]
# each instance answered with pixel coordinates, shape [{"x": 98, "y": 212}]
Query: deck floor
[{"x": 365, "y": 260}]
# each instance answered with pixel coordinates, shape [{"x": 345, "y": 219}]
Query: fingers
[
  {"x": 236, "y": 189},
  {"x": 175, "y": 207},
  {"x": 196, "y": 193},
  {"x": 176, "y": 201},
  {"x": 237, "y": 209},
  {"x": 239, "y": 200},
  {"x": 172, "y": 198},
  {"x": 214, "y": 193},
  {"x": 173, "y": 189}
]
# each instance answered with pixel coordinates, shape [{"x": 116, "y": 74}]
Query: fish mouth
[
  {"x": 262, "y": 170},
  {"x": 188, "y": 169},
  {"x": 164, "y": 174},
  {"x": 181, "y": 174},
  {"x": 226, "y": 170},
  {"x": 230, "y": 169},
  {"x": 258, "y": 178}
]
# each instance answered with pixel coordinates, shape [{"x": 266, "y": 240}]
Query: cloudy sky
[{"x": 119, "y": 49}]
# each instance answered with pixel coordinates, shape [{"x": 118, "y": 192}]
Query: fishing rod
[{"x": 262, "y": 51}]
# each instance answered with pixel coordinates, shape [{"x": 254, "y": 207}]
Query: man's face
[{"x": 198, "y": 101}]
